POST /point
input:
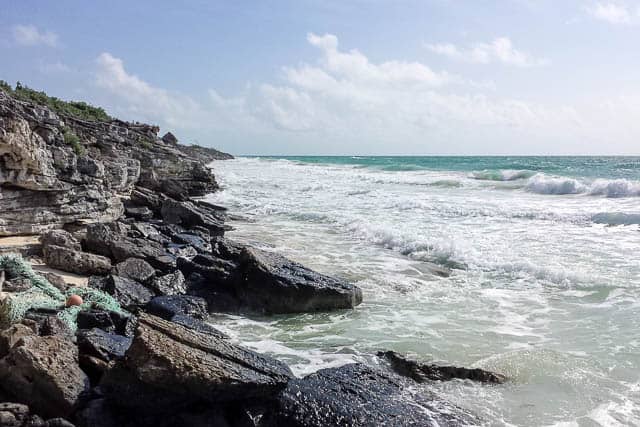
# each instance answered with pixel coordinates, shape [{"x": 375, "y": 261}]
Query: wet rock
[
  {"x": 169, "y": 284},
  {"x": 129, "y": 293},
  {"x": 108, "y": 321},
  {"x": 357, "y": 395},
  {"x": 421, "y": 372},
  {"x": 169, "y": 306},
  {"x": 172, "y": 366},
  {"x": 195, "y": 241},
  {"x": 272, "y": 283},
  {"x": 75, "y": 261},
  {"x": 197, "y": 325},
  {"x": 43, "y": 372},
  {"x": 98, "y": 343},
  {"x": 135, "y": 269},
  {"x": 218, "y": 272},
  {"x": 189, "y": 215}
]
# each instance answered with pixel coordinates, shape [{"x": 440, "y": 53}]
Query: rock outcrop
[
  {"x": 59, "y": 170},
  {"x": 186, "y": 367},
  {"x": 422, "y": 372},
  {"x": 358, "y": 395}
]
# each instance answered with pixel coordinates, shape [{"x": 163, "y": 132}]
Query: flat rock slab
[
  {"x": 278, "y": 285},
  {"x": 179, "y": 365},
  {"x": 358, "y": 395}
]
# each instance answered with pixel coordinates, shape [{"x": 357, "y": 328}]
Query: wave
[
  {"x": 559, "y": 185},
  {"x": 502, "y": 175},
  {"x": 616, "y": 218}
]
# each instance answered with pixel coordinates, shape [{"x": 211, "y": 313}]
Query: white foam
[{"x": 559, "y": 185}]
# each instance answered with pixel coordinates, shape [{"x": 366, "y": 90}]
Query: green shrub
[
  {"x": 70, "y": 138},
  {"x": 5, "y": 87},
  {"x": 77, "y": 109}
]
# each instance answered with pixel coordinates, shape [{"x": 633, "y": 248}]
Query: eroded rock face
[
  {"x": 181, "y": 366},
  {"x": 56, "y": 170},
  {"x": 43, "y": 372},
  {"x": 358, "y": 395},
  {"x": 75, "y": 261}
]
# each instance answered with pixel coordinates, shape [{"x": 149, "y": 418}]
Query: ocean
[{"x": 544, "y": 255}]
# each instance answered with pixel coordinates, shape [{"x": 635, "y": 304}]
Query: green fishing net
[{"x": 43, "y": 294}]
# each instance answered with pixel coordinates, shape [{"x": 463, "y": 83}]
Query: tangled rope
[{"x": 43, "y": 294}]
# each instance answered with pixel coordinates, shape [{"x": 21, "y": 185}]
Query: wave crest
[
  {"x": 502, "y": 175},
  {"x": 545, "y": 184}
]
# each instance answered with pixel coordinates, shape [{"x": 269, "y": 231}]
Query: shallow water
[{"x": 545, "y": 254}]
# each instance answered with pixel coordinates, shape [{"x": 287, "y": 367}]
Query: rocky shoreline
[{"x": 113, "y": 202}]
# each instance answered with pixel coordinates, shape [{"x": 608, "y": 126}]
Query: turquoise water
[
  {"x": 576, "y": 167},
  {"x": 544, "y": 256}
]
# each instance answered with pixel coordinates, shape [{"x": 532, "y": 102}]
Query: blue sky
[{"x": 345, "y": 77}]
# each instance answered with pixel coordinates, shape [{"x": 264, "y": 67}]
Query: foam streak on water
[{"x": 545, "y": 254}]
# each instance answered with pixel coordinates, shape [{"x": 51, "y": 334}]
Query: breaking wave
[
  {"x": 559, "y": 185},
  {"x": 502, "y": 175}
]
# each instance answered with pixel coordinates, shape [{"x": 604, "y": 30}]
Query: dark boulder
[
  {"x": 219, "y": 272},
  {"x": 109, "y": 321},
  {"x": 129, "y": 293},
  {"x": 189, "y": 215},
  {"x": 135, "y": 269},
  {"x": 272, "y": 283},
  {"x": 169, "y": 366},
  {"x": 358, "y": 395},
  {"x": 421, "y": 372},
  {"x": 170, "y": 138},
  {"x": 98, "y": 343},
  {"x": 172, "y": 305},
  {"x": 19, "y": 415}
]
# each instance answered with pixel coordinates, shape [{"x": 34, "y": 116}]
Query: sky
[{"x": 340, "y": 77}]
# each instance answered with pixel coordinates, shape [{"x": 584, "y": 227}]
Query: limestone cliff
[{"x": 58, "y": 170}]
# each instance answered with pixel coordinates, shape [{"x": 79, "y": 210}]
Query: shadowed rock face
[
  {"x": 184, "y": 367},
  {"x": 358, "y": 395}
]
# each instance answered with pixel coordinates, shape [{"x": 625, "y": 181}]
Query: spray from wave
[{"x": 558, "y": 185}]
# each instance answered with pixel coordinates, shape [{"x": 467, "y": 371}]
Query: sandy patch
[{"x": 70, "y": 278}]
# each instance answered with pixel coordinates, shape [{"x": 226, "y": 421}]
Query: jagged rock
[
  {"x": 103, "y": 345},
  {"x": 10, "y": 336},
  {"x": 108, "y": 321},
  {"x": 45, "y": 322},
  {"x": 420, "y": 372},
  {"x": 75, "y": 261},
  {"x": 197, "y": 242},
  {"x": 207, "y": 155},
  {"x": 357, "y": 395},
  {"x": 169, "y": 306},
  {"x": 129, "y": 293},
  {"x": 60, "y": 238},
  {"x": 43, "y": 372},
  {"x": 170, "y": 138},
  {"x": 135, "y": 269},
  {"x": 272, "y": 283},
  {"x": 171, "y": 366},
  {"x": 138, "y": 212},
  {"x": 189, "y": 215},
  {"x": 169, "y": 284},
  {"x": 219, "y": 272}
]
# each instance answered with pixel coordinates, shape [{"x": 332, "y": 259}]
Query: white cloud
[
  {"x": 614, "y": 13},
  {"x": 499, "y": 50},
  {"x": 54, "y": 68},
  {"x": 345, "y": 103},
  {"x": 29, "y": 35}
]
